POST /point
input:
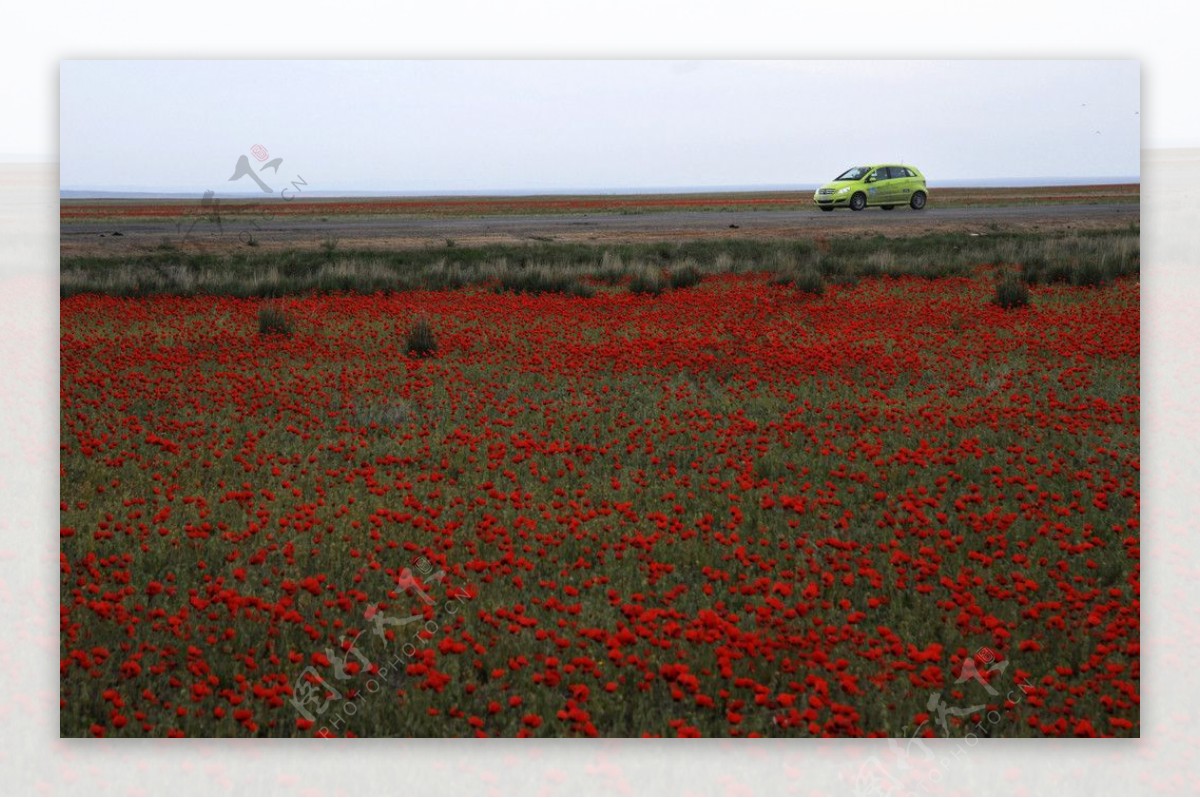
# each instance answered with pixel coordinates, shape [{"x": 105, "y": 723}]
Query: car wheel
[
  {"x": 887, "y": 207},
  {"x": 918, "y": 201},
  {"x": 858, "y": 201},
  {"x": 827, "y": 207}
]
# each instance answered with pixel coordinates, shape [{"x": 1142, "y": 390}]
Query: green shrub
[
  {"x": 1059, "y": 272},
  {"x": 1124, "y": 260},
  {"x": 420, "y": 341},
  {"x": 832, "y": 265},
  {"x": 646, "y": 281},
  {"x": 543, "y": 281},
  {"x": 810, "y": 281},
  {"x": 1011, "y": 293},
  {"x": 274, "y": 320},
  {"x": 1089, "y": 274},
  {"x": 1032, "y": 270},
  {"x": 684, "y": 276}
]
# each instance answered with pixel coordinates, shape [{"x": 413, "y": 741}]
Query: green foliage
[
  {"x": 1089, "y": 274},
  {"x": 810, "y": 281},
  {"x": 274, "y": 320},
  {"x": 685, "y": 276},
  {"x": 543, "y": 281},
  {"x": 420, "y": 340},
  {"x": 647, "y": 281},
  {"x": 1078, "y": 258},
  {"x": 1011, "y": 293},
  {"x": 1083, "y": 260}
]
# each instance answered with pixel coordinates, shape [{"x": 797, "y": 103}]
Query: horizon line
[{"x": 85, "y": 192}]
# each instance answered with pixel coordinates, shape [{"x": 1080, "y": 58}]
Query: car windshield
[{"x": 853, "y": 174}]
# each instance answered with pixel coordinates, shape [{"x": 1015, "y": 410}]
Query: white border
[{"x": 32, "y": 759}]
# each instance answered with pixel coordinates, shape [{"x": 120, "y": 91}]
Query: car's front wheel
[
  {"x": 918, "y": 201},
  {"x": 858, "y": 201}
]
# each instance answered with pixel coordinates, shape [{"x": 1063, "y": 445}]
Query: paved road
[{"x": 394, "y": 231}]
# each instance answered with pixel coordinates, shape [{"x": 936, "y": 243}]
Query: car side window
[
  {"x": 878, "y": 174},
  {"x": 900, "y": 171}
]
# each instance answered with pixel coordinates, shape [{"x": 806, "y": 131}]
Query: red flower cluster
[{"x": 728, "y": 510}]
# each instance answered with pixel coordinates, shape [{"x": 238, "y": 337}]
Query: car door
[
  {"x": 879, "y": 186},
  {"x": 902, "y": 185}
]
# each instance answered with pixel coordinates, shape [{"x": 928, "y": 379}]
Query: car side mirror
[{"x": 871, "y": 179}]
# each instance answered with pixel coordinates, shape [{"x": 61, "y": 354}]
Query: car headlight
[{"x": 843, "y": 190}]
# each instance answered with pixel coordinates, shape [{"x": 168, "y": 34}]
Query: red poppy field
[{"x": 729, "y": 510}]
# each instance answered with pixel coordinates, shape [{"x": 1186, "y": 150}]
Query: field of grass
[
  {"x": 724, "y": 488},
  {"x": 1092, "y": 257}
]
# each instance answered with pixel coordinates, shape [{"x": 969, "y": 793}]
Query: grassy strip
[{"x": 1080, "y": 258}]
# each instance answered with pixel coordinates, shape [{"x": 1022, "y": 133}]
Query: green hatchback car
[{"x": 885, "y": 185}]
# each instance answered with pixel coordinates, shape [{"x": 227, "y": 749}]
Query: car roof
[{"x": 869, "y": 167}]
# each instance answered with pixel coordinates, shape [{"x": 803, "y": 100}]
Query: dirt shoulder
[{"x": 113, "y": 228}]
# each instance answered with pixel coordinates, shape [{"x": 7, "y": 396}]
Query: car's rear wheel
[
  {"x": 858, "y": 201},
  {"x": 827, "y": 207},
  {"x": 887, "y": 207},
  {"x": 918, "y": 201}
]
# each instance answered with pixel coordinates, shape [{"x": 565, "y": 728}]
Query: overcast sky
[{"x": 443, "y": 126}]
